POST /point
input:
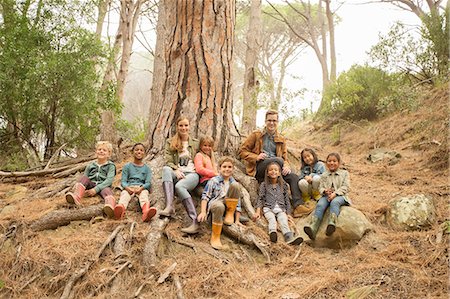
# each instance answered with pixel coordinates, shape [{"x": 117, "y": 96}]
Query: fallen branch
[
  {"x": 62, "y": 217},
  {"x": 298, "y": 252},
  {"x": 70, "y": 171},
  {"x": 28, "y": 283},
  {"x": 166, "y": 274},
  {"x": 172, "y": 238},
  {"x": 178, "y": 286},
  {"x": 78, "y": 274},
  {"x": 139, "y": 290},
  {"x": 54, "y": 156},
  {"x": 126, "y": 264},
  {"x": 214, "y": 253}
]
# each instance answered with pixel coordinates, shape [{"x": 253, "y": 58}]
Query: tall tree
[
  {"x": 312, "y": 18},
  {"x": 192, "y": 71},
  {"x": 436, "y": 19},
  {"x": 251, "y": 84},
  {"x": 123, "y": 43}
]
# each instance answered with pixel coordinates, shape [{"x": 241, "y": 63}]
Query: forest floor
[{"x": 386, "y": 263}]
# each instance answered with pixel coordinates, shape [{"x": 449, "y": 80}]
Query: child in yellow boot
[
  {"x": 221, "y": 196},
  {"x": 136, "y": 182},
  {"x": 274, "y": 200},
  {"x": 98, "y": 178},
  {"x": 310, "y": 174}
]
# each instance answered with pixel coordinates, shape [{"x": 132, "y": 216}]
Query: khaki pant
[{"x": 125, "y": 198}]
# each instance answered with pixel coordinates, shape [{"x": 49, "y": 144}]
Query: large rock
[
  {"x": 350, "y": 228},
  {"x": 380, "y": 154},
  {"x": 411, "y": 212}
]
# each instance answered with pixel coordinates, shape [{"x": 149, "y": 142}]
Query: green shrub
[{"x": 363, "y": 92}]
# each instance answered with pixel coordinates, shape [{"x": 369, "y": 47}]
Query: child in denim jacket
[{"x": 310, "y": 174}]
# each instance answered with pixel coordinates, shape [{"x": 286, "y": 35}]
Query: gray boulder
[
  {"x": 350, "y": 228},
  {"x": 411, "y": 212},
  {"x": 379, "y": 154}
]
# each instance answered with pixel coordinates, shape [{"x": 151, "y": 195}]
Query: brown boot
[
  {"x": 231, "y": 204},
  {"x": 303, "y": 210},
  {"x": 216, "y": 231},
  {"x": 75, "y": 197},
  {"x": 147, "y": 212},
  {"x": 168, "y": 191},
  {"x": 192, "y": 213},
  {"x": 119, "y": 212},
  {"x": 110, "y": 204}
]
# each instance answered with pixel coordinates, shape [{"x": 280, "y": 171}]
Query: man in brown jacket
[{"x": 266, "y": 146}]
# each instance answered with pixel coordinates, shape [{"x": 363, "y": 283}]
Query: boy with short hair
[
  {"x": 98, "y": 178},
  {"x": 221, "y": 195}
]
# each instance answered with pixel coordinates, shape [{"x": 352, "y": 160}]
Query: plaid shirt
[{"x": 215, "y": 190}]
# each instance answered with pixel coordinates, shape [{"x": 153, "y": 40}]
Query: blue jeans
[
  {"x": 183, "y": 186},
  {"x": 335, "y": 206}
]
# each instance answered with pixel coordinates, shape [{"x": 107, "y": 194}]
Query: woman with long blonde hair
[{"x": 179, "y": 173}]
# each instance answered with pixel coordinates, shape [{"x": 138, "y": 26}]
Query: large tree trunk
[
  {"x": 251, "y": 85},
  {"x": 193, "y": 71}
]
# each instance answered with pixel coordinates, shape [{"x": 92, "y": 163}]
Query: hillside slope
[{"x": 385, "y": 264}]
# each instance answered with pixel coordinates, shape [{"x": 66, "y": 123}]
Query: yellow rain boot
[
  {"x": 231, "y": 204},
  {"x": 215, "y": 236},
  {"x": 316, "y": 194},
  {"x": 306, "y": 197}
]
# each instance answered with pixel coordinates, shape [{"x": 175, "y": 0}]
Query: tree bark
[
  {"x": 330, "y": 19},
  {"x": 250, "y": 92},
  {"x": 193, "y": 71},
  {"x": 59, "y": 218}
]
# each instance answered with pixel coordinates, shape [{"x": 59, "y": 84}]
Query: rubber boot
[
  {"x": 316, "y": 194},
  {"x": 306, "y": 197},
  {"x": 273, "y": 237},
  {"x": 291, "y": 240},
  {"x": 75, "y": 197},
  {"x": 168, "y": 191},
  {"x": 110, "y": 204},
  {"x": 119, "y": 211},
  {"x": 331, "y": 224},
  {"x": 192, "y": 213},
  {"x": 147, "y": 212},
  {"x": 230, "y": 204},
  {"x": 311, "y": 229},
  {"x": 216, "y": 231}
]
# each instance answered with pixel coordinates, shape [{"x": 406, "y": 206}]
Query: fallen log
[
  {"x": 78, "y": 274},
  {"x": 58, "y": 218},
  {"x": 70, "y": 171},
  {"x": 6, "y": 174}
]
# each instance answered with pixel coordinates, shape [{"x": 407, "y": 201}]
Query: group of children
[{"x": 186, "y": 169}]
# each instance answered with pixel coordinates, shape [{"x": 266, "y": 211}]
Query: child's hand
[
  {"x": 238, "y": 223},
  {"x": 256, "y": 216},
  {"x": 179, "y": 174},
  {"x": 129, "y": 190},
  {"x": 138, "y": 190},
  {"x": 331, "y": 196},
  {"x": 201, "y": 217},
  {"x": 291, "y": 219},
  {"x": 308, "y": 178},
  {"x": 91, "y": 192}
]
